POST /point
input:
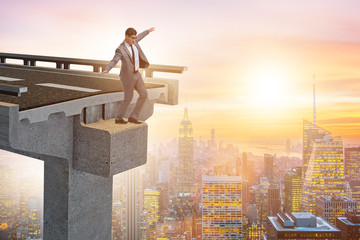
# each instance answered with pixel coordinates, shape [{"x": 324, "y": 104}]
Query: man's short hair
[{"x": 130, "y": 31}]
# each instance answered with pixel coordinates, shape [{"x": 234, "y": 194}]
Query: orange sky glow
[{"x": 250, "y": 64}]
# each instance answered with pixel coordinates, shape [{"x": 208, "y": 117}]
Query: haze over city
[
  {"x": 250, "y": 64},
  {"x": 242, "y": 155}
]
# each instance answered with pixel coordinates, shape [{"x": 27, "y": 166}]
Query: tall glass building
[
  {"x": 311, "y": 132},
  {"x": 325, "y": 174},
  {"x": 221, "y": 207}
]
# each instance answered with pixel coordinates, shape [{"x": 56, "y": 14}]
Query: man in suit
[{"x": 132, "y": 58}]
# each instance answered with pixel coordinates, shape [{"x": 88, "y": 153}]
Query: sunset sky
[{"x": 250, "y": 63}]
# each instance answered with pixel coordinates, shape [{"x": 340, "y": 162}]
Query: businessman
[{"x": 132, "y": 58}]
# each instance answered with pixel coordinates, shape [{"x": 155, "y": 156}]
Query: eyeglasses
[{"x": 134, "y": 38}]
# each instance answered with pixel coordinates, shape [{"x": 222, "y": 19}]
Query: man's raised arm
[{"x": 144, "y": 33}]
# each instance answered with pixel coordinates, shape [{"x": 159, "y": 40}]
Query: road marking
[
  {"x": 81, "y": 89},
  {"x": 9, "y": 79}
]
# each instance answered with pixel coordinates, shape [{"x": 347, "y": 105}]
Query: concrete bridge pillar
[
  {"x": 78, "y": 140},
  {"x": 79, "y": 163}
]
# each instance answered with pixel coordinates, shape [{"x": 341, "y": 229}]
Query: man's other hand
[
  {"x": 151, "y": 29},
  {"x": 103, "y": 72}
]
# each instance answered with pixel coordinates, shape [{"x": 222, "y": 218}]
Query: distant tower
[
  {"x": 35, "y": 213},
  {"x": 213, "y": 137},
  {"x": 288, "y": 146},
  {"x": 244, "y": 167},
  {"x": 185, "y": 180},
  {"x": 314, "y": 106},
  {"x": 269, "y": 167},
  {"x": 8, "y": 199}
]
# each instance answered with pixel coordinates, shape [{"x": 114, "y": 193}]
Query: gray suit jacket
[{"x": 123, "y": 54}]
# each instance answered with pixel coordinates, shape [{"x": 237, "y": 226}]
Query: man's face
[{"x": 130, "y": 39}]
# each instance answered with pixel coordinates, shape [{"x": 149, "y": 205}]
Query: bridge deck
[{"x": 47, "y": 86}]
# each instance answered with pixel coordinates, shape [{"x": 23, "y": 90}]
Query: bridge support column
[{"x": 77, "y": 205}]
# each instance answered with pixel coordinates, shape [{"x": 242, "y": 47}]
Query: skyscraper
[
  {"x": 274, "y": 200},
  {"x": 325, "y": 172},
  {"x": 152, "y": 205},
  {"x": 292, "y": 190},
  {"x": 311, "y": 132},
  {"x": 269, "y": 167},
  {"x": 134, "y": 203},
  {"x": 221, "y": 207},
  {"x": 128, "y": 205},
  {"x": 185, "y": 178}
]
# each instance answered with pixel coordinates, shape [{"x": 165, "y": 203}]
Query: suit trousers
[{"x": 134, "y": 82}]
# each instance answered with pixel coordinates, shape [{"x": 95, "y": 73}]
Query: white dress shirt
[{"x": 136, "y": 52}]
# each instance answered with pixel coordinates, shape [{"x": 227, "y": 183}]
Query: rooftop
[
  {"x": 336, "y": 198},
  {"x": 322, "y": 225},
  {"x": 224, "y": 178}
]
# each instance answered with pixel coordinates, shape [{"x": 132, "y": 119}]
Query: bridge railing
[{"x": 98, "y": 65}]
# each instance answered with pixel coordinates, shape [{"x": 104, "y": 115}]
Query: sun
[{"x": 269, "y": 88}]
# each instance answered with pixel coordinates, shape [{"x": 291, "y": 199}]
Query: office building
[
  {"x": 292, "y": 190},
  {"x": 300, "y": 225},
  {"x": 254, "y": 231},
  {"x": 352, "y": 169},
  {"x": 221, "y": 207},
  {"x": 273, "y": 195},
  {"x": 331, "y": 207},
  {"x": 352, "y": 163},
  {"x": 152, "y": 205}
]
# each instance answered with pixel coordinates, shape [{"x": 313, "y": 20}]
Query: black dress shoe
[
  {"x": 133, "y": 120},
  {"x": 120, "y": 120}
]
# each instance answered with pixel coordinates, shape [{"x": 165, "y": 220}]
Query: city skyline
[
  {"x": 147, "y": 204},
  {"x": 247, "y": 62},
  {"x": 246, "y": 153}
]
